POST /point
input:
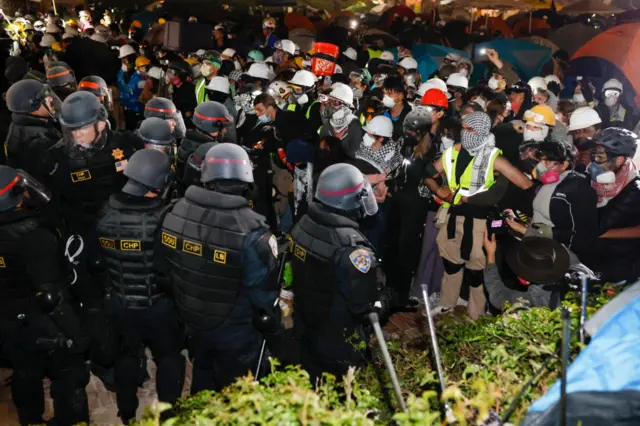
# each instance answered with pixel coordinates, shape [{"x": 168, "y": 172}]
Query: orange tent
[
  {"x": 295, "y": 20},
  {"x": 499, "y": 24},
  {"x": 521, "y": 28},
  {"x": 619, "y": 46}
]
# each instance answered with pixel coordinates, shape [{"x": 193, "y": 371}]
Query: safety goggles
[
  {"x": 328, "y": 100},
  {"x": 298, "y": 90},
  {"x": 535, "y": 117},
  {"x": 610, "y": 93}
]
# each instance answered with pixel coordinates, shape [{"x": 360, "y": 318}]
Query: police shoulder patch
[
  {"x": 361, "y": 260},
  {"x": 273, "y": 243}
]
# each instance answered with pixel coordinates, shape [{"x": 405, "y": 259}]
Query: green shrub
[{"x": 486, "y": 363}]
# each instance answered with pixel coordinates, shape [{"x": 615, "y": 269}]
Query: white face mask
[
  {"x": 388, "y": 101},
  {"x": 493, "y": 83},
  {"x": 303, "y": 99},
  {"x": 463, "y": 71},
  {"x": 447, "y": 142},
  {"x": 579, "y": 98},
  {"x": 536, "y": 135},
  {"x": 606, "y": 178},
  {"x": 610, "y": 101},
  {"x": 306, "y": 64},
  {"x": 205, "y": 70},
  {"x": 368, "y": 140},
  {"x": 124, "y": 68}
]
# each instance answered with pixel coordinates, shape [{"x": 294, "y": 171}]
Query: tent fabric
[
  {"x": 590, "y": 6},
  {"x": 603, "y": 383},
  {"x": 521, "y": 28},
  {"x": 543, "y": 42},
  {"x": 303, "y": 37},
  {"x": 621, "y": 47},
  {"x": 571, "y": 37},
  {"x": 388, "y": 16},
  {"x": 498, "y": 24},
  {"x": 429, "y": 57},
  {"x": 527, "y": 57},
  {"x": 295, "y": 20}
]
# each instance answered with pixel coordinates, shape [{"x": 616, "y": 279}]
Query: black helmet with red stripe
[
  {"x": 60, "y": 76},
  {"x": 163, "y": 108},
  {"x": 97, "y": 86},
  {"x": 13, "y": 186},
  {"x": 212, "y": 118},
  {"x": 227, "y": 162}
]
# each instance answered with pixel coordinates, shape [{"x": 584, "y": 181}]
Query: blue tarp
[
  {"x": 527, "y": 57},
  {"x": 429, "y": 57},
  {"x": 609, "y": 365}
]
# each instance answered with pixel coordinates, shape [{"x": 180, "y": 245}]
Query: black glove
[
  {"x": 266, "y": 322},
  {"x": 386, "y": 299}
]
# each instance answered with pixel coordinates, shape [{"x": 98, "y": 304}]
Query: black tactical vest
[
  {"x": 127, "y": 232},
  {"x": 316, "y": 238},
  {"x": 204, "y": 236},
  {"x": 16, "y": 289},
  {"x": 88, "y": 182},
  {"x": 27, "y": 139},
  {"x": 188, "y": 146}
]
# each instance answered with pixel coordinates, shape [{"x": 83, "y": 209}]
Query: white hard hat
[
  {"x": 583, "y": 117},
  {"x": 409, "y": 63},
  {"x": 259, "y": 70},
  {"x": 554, "y": 78},
  {"x": 28, "y": 26},
  {"x": 387, "y": 56},
  {"x": 432, "y": 83},
  {"x": 229, "y": 52},
  {"x": 83, "y": 12},
  {"x": 613, "y": 84},
  {"x": 52, "y": 29},
  {"x": 47, "y": 40},
  {"x": 351, "y": 53},
  {"x": 537, "y": 83},
  {"x": 342, "y": 92},
  {"x": 458, "y": 80},
  {"x": 200, "y": 52},
  {"x": 379, "y": 126},
  {"x": 219, "y": 84},
  {"x": 72, "y": 31},
  {"x": 156, "y": 72},
  {"x": 286, "y": 45},
  {"x": 303, "y": 78},
  {"x": 126, "y": 50},
  {"x": 101, "y": 29},
  {"x": 338, "y": 69}
]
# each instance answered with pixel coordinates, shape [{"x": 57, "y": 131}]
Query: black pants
[
  {"x": 31, "y": 362},
  {"x": 157, "y": 328},
  {"x": 132, "y": 118},
  {"x": 403, "y": 240}
]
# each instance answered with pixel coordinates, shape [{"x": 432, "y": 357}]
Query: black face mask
[
  {"x": 582, "y": 143},
  {"x": 527, "y": 165},
  {"x": 217, "y": 96}
]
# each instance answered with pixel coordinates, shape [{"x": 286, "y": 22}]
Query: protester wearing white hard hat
[
  {"x": 339, "y": 120},
  {"x": 387, "y": 56},
  {"x": 377, "y": 150},
  {"x": 219, "y": 90},
  {"x": 228, "y": 54},
  {"x": 351, "y": 53},
  {"x": 260, "y": 73},
  {"x": 611, "y": 108},
  {"x": 284, "y": 51},
  {"x": 280, "y": 92},
  {"x": 457, "y": 86},
  {"x": 407, "y": 64},
  {"x": 126, "y": 50},
  {"x": 584, "y": 125}
]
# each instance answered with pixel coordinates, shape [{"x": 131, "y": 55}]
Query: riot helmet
[
  {"x": 62, "y": 80},
  {"x": 344, "y": 188},
  {"x": 194, "y": 164},
  {"x": 17, "y": 186},
  {"x": 148, "y": 170},
  {"x": 418, "y": 122},
  {"x": 165, "y": 109},
  {"x": 227, "y": 162},
  {"x": 33, "y": 98},
  {"x": 156, "y": 134},
  {"x": 213, "y": 119},
  {"x": 98, "y": 87},
  {"x": 84, "y": 121}
]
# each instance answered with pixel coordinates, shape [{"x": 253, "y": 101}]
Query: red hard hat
[{"x": 435, "y": 97}]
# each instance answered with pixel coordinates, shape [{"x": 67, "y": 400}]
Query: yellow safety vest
[
  {"x": 374, "y": 53},
  {"x": 201, "y": 91},
  {"x": 294, "y": 107},
  {"x": 461, "y": 188}
]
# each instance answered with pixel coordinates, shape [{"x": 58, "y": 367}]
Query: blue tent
[
  {"x": 603, "y": 383},
  {"x": 527, "y": 57},
  {"x": 429, "y": 57}
]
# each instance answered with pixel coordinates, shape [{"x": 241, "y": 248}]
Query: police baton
[
  {"x": 375, "y": 322},
  {"x": 283, "y": 261},
  {"x": 436, "y": 353}
]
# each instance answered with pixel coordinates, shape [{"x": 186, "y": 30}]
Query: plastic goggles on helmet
[
  {"x": 328, "y": 100},
  {"x": 535, "y": 117},
  {"x": 611, "y": 93}
]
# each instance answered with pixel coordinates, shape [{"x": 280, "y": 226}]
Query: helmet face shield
[
  {"x": 368, "y": 203},
  {"x": 85, "y": 141},
  {"x": 35, "y": 193},
  {"x": 51, "y": 102}
]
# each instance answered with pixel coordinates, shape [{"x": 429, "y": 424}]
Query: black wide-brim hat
[{"x": 539, "y": 260}]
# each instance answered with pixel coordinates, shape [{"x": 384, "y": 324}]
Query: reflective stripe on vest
[
  {"x": 308, "y": 114},
  {"x": 201, "y": 91},
  {"x": 292, "y": 107},
  {"x": 461, "y": 189}
]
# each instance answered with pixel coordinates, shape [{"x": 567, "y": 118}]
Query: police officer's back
[
  {"x": 41, "y": 333},
  {"x": 32, "y": 131},
  {"x": 144, "y": 314},
  {"x": 334, "y": 272},
  {"x": 222, "y": 263}
]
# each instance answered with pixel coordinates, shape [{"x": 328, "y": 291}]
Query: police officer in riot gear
[
  {"x": 156, "y": 134},
  {"x": 165, "y": 109},
  {"x": 34, "y": 108},
  {"x": 335, "y": 273},
  {"x": 83, "y": 170},
  {"x": 221, "y": 258},
  {"x": 97, "y": 86},
  {"x": 62, "y": 80},
  {"x": 143, "y": 313},
  {"x": 212, "y": 122},
  {"x": 42, "y": 336},
  {"x": 194, "y": 165}
]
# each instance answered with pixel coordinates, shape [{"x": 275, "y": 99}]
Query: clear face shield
[
  {"x": 177, "y": 125},
  {"x": 34, "y": 193},
  {"x": 85, "y": 141},
  {"x": 368, "y": 203},
  {"x": 50, "y": 101}
]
